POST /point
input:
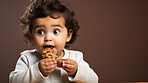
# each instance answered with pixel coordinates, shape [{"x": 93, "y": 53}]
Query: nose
[{"x": 48, "y": 37}]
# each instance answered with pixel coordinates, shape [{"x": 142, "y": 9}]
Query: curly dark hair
[{"x": 44, "y": 8}]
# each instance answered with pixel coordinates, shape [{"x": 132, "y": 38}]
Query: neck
[{"x": 61, "y": 54}]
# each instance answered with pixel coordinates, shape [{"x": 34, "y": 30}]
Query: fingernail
[
  {"x": 63, "y": 64},
  {"x": 55, "y": 64},
  {"x": 55, "y": 61}
]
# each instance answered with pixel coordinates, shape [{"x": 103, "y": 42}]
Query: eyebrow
[
  {"x": 56, "y": 25},
  {"x": 38, "y": 26},
  {"x": 42, "y": 26}
]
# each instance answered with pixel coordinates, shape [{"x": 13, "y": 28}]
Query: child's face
[{"x": 49, "y": 32}]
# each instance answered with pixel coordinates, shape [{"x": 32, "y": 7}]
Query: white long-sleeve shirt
[{"x": 27, "y": 70}]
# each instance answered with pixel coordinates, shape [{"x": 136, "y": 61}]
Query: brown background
[{"x": 113, "y": 37}]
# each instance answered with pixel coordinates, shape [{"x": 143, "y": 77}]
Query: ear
[
  {"x": 69, "y": 35},
  {"x": 30, "y": 36}
]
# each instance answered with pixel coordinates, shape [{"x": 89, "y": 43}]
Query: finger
[
  {"x": 68, "y": 70},
  {"x": 47, "y": 63},
  {"x": 49, "y": 71},
  {"x": 67, "y": 61},
  {"x": 50, "y": 67},
  {"x": 68, "y": 66},
  {"x": 54, "y": 62},
  {"x": 49, "y": 60}
]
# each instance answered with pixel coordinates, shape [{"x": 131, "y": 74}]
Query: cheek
[
  {"x": 61, "y": 40},
  {"x": 37, "y": 41}
]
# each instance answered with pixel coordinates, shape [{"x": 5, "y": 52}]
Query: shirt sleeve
[
  {"x": 24, "y": 73},
  {"x": 84, "y": 73}
]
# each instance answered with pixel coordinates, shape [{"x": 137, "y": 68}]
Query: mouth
[{"x": 48, "y": 46}]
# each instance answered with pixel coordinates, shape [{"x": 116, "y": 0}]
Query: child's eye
[
  {"x": 56, "y": 31},
  {"x": 40, "y": 32}
]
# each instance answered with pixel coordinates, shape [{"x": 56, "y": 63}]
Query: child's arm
[
  {"x": 25, "y": 72},
  {"x": 79, "y": 70}
]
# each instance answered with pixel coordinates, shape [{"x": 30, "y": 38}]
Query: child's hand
[
  {"x": 70, "y": 66},
  {"x": 47, "y": 66}
]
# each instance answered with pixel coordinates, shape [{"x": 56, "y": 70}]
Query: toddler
[{"x": 50, "y": 24}]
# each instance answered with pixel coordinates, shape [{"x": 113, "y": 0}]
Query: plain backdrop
[{"x": 113, "y": 36}]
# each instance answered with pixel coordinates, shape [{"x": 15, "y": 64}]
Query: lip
[{"x": 49, "y": 46}]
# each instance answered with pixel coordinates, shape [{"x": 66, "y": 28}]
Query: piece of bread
[
  {"x": 60, "y": 62},
  {"x": 47, "y": 53}
]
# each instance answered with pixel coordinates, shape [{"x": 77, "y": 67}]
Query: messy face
[{"x": 50, "y": 33}]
